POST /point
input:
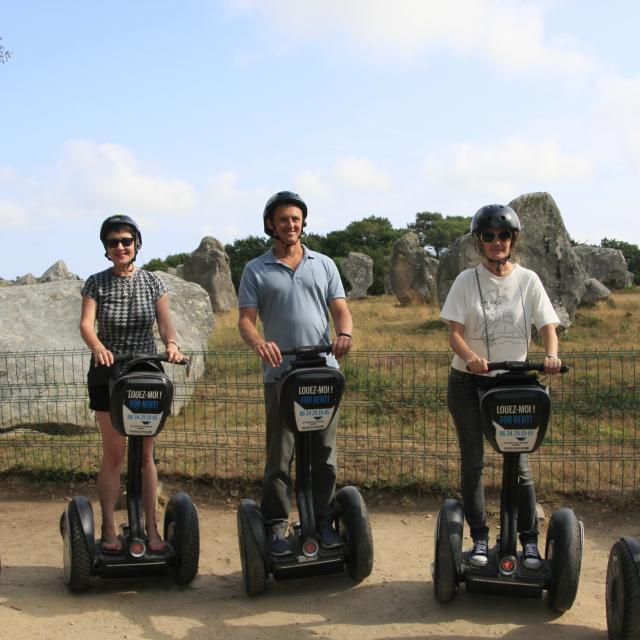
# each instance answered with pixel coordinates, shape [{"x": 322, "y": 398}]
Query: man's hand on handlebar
[
  {"x": 270, "y": 353},
  {"x": 341, "y": 346}
]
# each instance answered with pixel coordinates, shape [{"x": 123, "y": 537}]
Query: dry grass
[
  {"x": 395, "y": 426},
  {"x": 381, "y": 324}
]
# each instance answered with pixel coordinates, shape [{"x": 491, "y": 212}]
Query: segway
[
  {"x": 309, "y": 396},
  {"x": 140, "y": 401},
  {"x": 515, "y": 414},
  {"x": 623, "y": 590}
]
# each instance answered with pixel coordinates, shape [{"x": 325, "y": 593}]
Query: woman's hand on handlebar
[
  {"x": 552, "y": 364},
  {"x": 341, "y": 346},
  {"x": 173, "y": 353},
  {"x": 477, "y": 365},
  {"x": 270, "y": 353},
  {"x": 102, "y": 356}
]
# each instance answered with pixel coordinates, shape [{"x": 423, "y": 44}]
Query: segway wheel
[
  {"x": 563, "y": 550},
  {"x": 623, "y": 594},
  {"x": 254, "y": 570},
  {"x": 353, "y": 525},
  {"x": 445, "y": 574},
  {"x": 77, "y": 557},
  {"x": 182, "y": 532}
]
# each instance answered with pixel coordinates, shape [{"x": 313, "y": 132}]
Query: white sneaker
[
  {"x": 479, "y": 553},
  {"x": 531, "y": 556}
]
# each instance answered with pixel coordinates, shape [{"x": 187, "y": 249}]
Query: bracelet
[
  {"x": 345, "y": 334},
  {"x": 173, "y": 342},
  {"x": 550, "y": 356}
]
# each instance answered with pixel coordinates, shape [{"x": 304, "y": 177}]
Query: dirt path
[{"x": 395, "y": 602}]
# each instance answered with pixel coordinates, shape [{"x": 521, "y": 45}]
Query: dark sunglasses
[
  {"x": 112, "y": 243},
  {"x": 488, "y": 236}
]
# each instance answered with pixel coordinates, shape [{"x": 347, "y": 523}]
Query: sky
[{"x": 189, "y": 115}]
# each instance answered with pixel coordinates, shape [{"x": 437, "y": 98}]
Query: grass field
[
  {"x": 381, "y": 324},
  {"x": 395, "y": 428}
]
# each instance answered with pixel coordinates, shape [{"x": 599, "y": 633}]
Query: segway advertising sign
[
  {"x": 142, "y": 410},
  {"x": 516, "y": 426},
  {"x": 314, "y": 406}
]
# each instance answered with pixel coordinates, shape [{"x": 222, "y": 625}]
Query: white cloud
[
  {"x": 514, "y": 166},
  {"x": 359, "y": 173},
  {"x": 312, "y": 184},
  {"x": 108, "y": 177},
  {"x": 618, "y": 109},
  {"x": 510, "y": 35},
  {"x": 89, "y": 181},
  {"x": 12, "y": 215}
]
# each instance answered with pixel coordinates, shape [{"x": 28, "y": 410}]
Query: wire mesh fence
[{"x": 394, "y": 429}]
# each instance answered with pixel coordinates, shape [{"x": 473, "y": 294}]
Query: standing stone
[
  {"x": 461, "y": 255},
  {"x": 357, "y": 268},
  {"x": 595, "y": 292},
  {"x": 604, "y": 264},
  {"x": 544, "y": 246},
  {"x": 412, "y": 271},
  {"x": 26, "y": 279},
  {"x": 208, "y": 266},
  {"x": 40, "y": 343},
  {"x": 58, "y": 271}
]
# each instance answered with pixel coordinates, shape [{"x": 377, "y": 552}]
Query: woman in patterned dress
[{"x": 124, "y": 302}]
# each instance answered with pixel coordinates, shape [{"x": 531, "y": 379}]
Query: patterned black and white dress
[
  {"x": 126, "y": 309},
  {"x": 125, "y": 314}
]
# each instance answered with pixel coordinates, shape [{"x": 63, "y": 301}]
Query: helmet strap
[
  {"x": 499, "y": 263},
  {"x": 277, "y": 238}
]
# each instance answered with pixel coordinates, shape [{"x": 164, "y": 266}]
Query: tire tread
[{"x": 630, "y": 627}]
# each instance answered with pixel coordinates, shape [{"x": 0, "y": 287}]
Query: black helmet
[
  {"x": 282, "y": 197},
  {"x": 496, "y": 216},
  {"x": 120, "y": 220}
]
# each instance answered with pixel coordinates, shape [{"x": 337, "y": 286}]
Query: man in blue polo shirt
[{"x": 293, "y": 290}]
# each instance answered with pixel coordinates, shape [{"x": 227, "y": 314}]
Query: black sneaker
[
  {"x": 531, "y": 556},
  {"x": 329, "y": 537},
  {"x": 479, "y": 554},
  {"x": 277, "y": 544}
]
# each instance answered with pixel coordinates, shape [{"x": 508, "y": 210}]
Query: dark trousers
[
  {"x": 276, "y": 491},
  {"x": 464, "y": 405}
]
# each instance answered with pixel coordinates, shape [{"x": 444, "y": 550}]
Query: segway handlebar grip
[
  {"x": 521, "y": 366},
  {"x": 296, "y": 351},
  {"x": 160, "y": 357}
]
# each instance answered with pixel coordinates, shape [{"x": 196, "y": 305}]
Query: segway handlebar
[
  {"x": 297, "y": 351},
  {"x": 521, "y": 366},
  {"x": 160, "y": 357}
]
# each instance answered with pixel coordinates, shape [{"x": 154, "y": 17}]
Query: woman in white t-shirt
[{"x": 490, "y": 310}]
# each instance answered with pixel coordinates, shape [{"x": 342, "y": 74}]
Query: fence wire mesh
[{"x": 394, "y": 429}]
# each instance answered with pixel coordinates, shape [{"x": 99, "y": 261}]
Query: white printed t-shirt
[{"x": 511, "y": 304}]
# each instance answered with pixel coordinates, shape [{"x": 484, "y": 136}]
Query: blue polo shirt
[{"x": 292, "y": 305}]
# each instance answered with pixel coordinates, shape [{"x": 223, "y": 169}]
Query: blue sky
[{"x": 189, "y": 115}]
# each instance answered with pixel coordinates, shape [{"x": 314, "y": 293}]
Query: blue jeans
[
  {"x": 276, "y": 488},
  {"x": 464, "y": 406}
]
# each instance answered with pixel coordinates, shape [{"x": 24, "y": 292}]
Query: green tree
[
  {"x": 631, "y": 253},
  {"x": 173, "y": 260},
  {"x": 5, "y": 54},
  {"x": 241, "y": 251},
  {"x": 437, "y": 231},
  {"x": 373, "y": 236}
]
